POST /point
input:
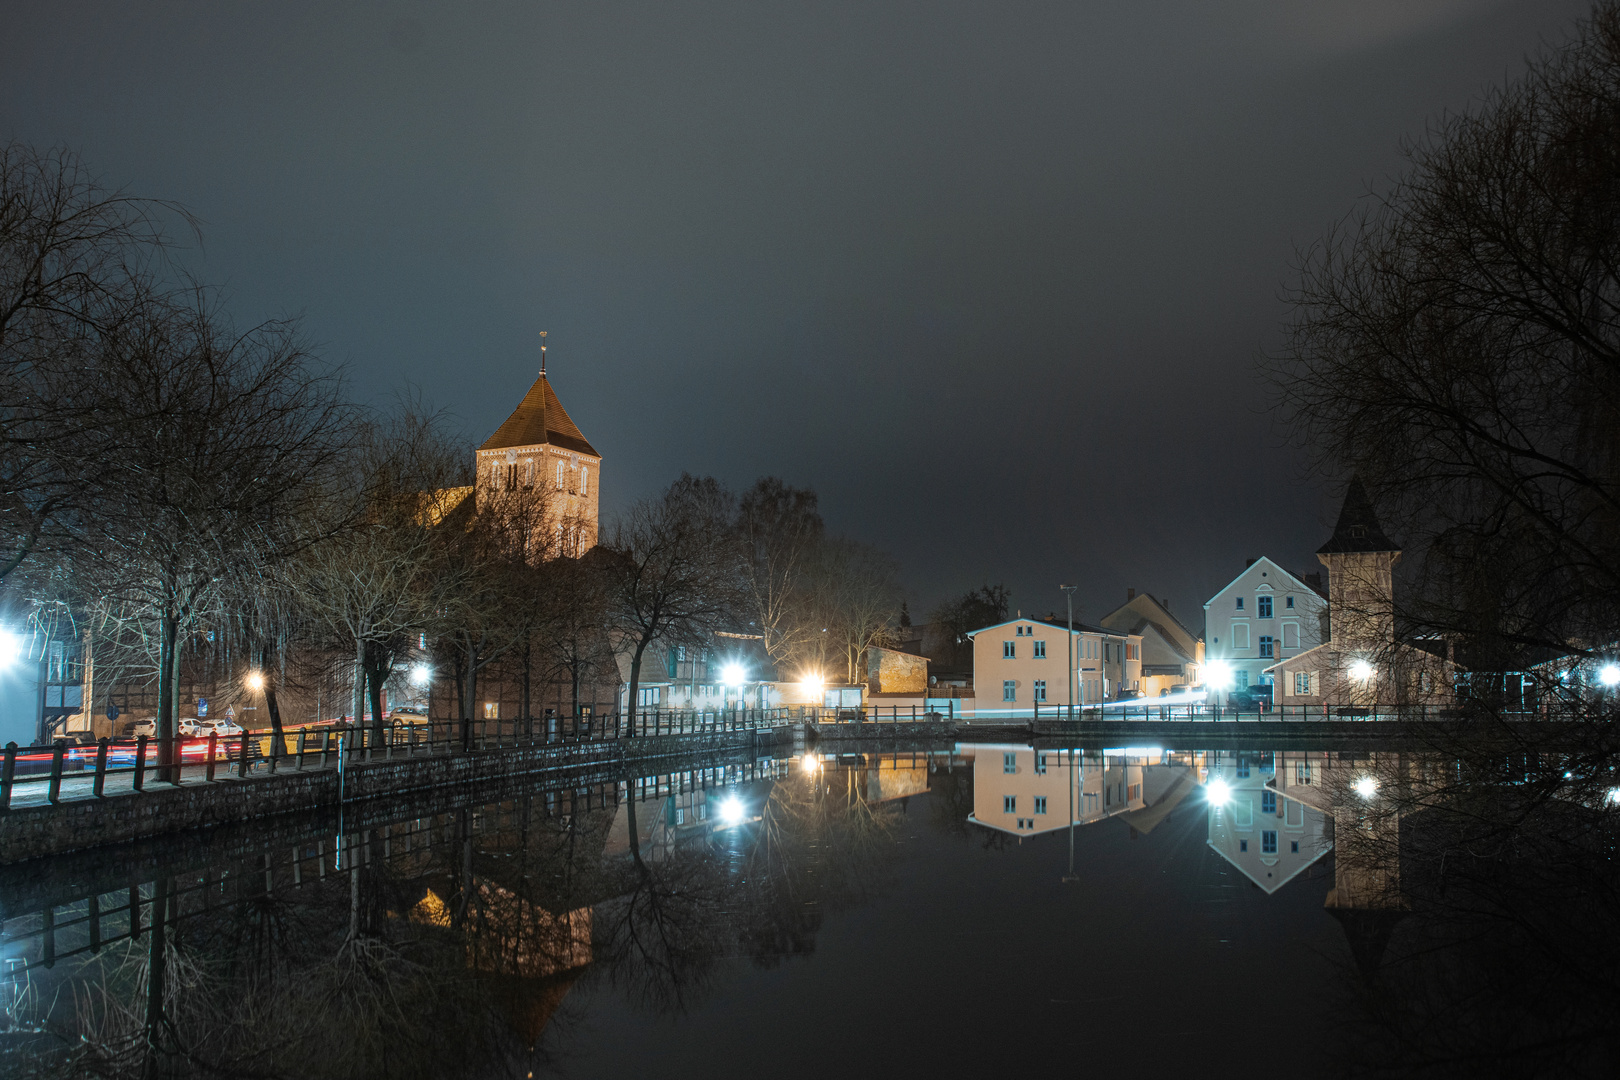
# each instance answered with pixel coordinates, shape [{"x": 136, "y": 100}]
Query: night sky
[{"x": 992, "y": 278}]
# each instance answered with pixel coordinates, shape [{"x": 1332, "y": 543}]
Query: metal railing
[{"x": 62, "y": 768}]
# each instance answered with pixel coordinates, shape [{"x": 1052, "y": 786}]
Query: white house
[{"x": 1264, "y": 615}]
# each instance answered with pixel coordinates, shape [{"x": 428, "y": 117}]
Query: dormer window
[{"x": 1358, "y": 532}]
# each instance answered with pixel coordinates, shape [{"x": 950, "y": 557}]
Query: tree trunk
[
  {"x": 155, "y": 971},
  {"x": 630, "y": 821},
  {"x": 470, "y": 690},
  {"x": 528, "y": 664},
  {"x": 573, "y": 676},
  {"x": 374, "y": 678},
  {"x": 635, "y": 686},
  {"x": 270, "y": 701},
  {"x": 359, "y": 694}
]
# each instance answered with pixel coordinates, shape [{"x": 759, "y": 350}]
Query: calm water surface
[{"x": 986, "y": 910}]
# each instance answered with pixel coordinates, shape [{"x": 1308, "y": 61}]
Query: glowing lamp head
[
  {"x": 1217, "y": 793},
  {"x": 733, "y": 675},
  {"x": 1609, "y": 675},
  {"x": 1219, "y": 675},
  {"x": 1366, "y": 787},
  {"x": 730, "y": 812},
  {"x": 421, "y": 675},
  {"x": 813, "y": 682},
  {"x": 254, "y": 681},
  {"x": 1361, "y": 671},
  {"x": 11, "y": 648}
]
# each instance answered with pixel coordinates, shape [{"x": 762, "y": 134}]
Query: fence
[{"x": 323, "y": 746}]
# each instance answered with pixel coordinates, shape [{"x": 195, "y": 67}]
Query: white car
[
  {"x": 190, "y": 726},
  {"x": 147, "y": 727},
  {"x": 222, "y": 726}
]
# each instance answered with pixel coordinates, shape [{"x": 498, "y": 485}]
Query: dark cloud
[{"x": 992, "y": 278}]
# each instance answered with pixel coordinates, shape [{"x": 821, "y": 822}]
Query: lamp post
[{"x": 1068, "y": 595}]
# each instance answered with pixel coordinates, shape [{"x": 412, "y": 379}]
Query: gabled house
[
  {"x": 1172, "y": 656},
  {"x": 1264, "y": 614}
]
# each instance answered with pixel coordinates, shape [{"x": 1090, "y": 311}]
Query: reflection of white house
[
  {"x": 1024, "y": 791},
  {"x": 1263, "y": 615},
  {"x": 1266, "y": 835}
]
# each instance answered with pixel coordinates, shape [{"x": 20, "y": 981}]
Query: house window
[
  {"x": 1009, "y": 650},
  {"x": 1302, "y": 682},
  {"x": 1266, "y": 648},
  {"x": 1040, "y": 764},
  {"x": 1040, "y": 804},
  {"x": 1288, "y": 603},
  {"x": 1302, "y": 772},
  {"x": 1040, "y": 650},
  {"x": 492, "y": 710},
  {"x": 1009, "y": 804},
  {"x": 1240, "y": 679},
  {"x": 584, "y": 480},
  {"x": 1268, "y": 842},
  {"x": 1009, "y": 763},
  {"x": 559, "y": 475},
  {"x": 1242, "y": 770},
  {"x": 1293, "y": 846},
  {"x": 1040, "y": 689},
  {"x": 1264, "y": 605},
  {"x": 1268, "y": 802},
  {"x": 1243, "y": 845},
  {"x": 1240, "y": 603},
  {"x": 1009, "y": 691}
]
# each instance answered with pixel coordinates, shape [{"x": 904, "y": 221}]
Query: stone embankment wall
[{"x": 34, "y": 831}]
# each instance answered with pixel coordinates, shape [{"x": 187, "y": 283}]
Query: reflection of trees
[{"x": 1484, "y": 930}]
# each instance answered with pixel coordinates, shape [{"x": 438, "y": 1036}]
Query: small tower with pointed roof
[
  {"x": 540, "y": 446},
  {"x": 1361, "y": 574}
]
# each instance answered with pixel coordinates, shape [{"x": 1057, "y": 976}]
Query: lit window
[
  {"x": 1009, "y": 763},
  {"x": 1266, "y": 645},
  {"x": 1009, "y": 690},
  {"x": 1040, "y": 804},
  {"x": 1302, "y": 682},
  {"x": 1040, "y": 650},
  {"x": 1264, "y": 605},
  {"x": 1009, "y": 649},
  {"x": 1009, "y": 804},
  {"x": 1268, "y": 842},
  {"x": 1040, "y": 689},
  {"x": 492, "y": 710}
]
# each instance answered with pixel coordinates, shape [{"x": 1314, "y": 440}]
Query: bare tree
[
  {"x": 675, "y": 572},
  {"x": 781, "y": 533},
  {"x": 76, "y": 263},
  {"x": 1457, "y": 344},
  {"x": 857, "y": 599},
  {"x": 224, "y": 439}
]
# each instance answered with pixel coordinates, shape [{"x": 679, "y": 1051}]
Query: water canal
[{"x": 953, "y": 910}]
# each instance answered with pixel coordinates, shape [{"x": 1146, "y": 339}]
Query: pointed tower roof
[
  {"x": 540, "y": 419},
  {"x": 1358, "y": 528}
]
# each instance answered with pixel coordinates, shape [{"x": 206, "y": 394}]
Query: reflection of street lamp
[
  {"x": 1217, "y": 792},
  {"x": 11, "y": 648},
  {"x": 1366, "y": 787},
  {"x": 731, "y": 812},
  {"x": 1609, "y": 675}
]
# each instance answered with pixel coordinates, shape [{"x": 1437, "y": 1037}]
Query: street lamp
[
  {"x": 1366, "y": 787},
  {"x": 1068, "y": 594},
  {"x": 1609, "y": 675},
  {"x": 255, "y": 681},
  {"x": 1361, "y": 671},
  {"x": 421, "y": 675}
]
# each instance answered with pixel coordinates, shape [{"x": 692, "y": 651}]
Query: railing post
[
  {"x": 58, "y": 755},
  {"x": 213, "y": 752},
  {"x": 8, "y": 773},
  {"x": 139, "y": 783},
  {"x": 302, "y": 738},
  {"x": 242, "y": 762},
  {"x": 326, "y": 740},
  {"x": 101, "y": 767}
]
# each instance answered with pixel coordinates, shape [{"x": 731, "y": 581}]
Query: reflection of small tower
[
  {"x": 1366, "y": 894},
  {"x": 1361, "y": 569}
]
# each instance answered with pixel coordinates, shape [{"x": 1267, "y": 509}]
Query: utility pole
[{"x": 1068, "y": 594}]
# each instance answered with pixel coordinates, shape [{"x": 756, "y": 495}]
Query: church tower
[
  {"x": 1361, "y": 575},
  {"x": 540, "y": 446}
]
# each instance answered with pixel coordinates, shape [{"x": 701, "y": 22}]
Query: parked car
[
  {"x": 221, "y": 725},
  {"x": 191, "y": 726},
  {"x": 145, "y": 726},
  {"x": 408, "y": 714}
]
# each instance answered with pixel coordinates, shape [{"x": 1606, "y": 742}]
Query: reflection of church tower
[
  {"x": 1366, "y": 894},
  {"x": 540, "y": 446},
  {"x": 1361, "y": 569}
]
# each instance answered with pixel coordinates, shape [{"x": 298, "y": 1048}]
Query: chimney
[{"x": 1130, "y": 594}]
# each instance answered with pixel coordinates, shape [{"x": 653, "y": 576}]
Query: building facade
[
  {"x": 1263, "y": 615},
  {"x": 1022, "y": 664},
  {"x": 1172, "y": 656}
]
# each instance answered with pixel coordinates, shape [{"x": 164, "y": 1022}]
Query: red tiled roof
[{"x": 538, "y": 420}]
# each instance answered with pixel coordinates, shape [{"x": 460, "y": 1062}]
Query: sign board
[
  {"x": 202, "y": 707},
  {"x": 112, "y": 711}
]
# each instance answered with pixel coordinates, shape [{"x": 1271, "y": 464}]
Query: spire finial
[{"x": 542, "y": 354}]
